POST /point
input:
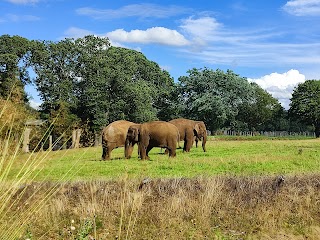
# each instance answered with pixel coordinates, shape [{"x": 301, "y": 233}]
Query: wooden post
[
  {"x": 97, "y": 139},
  {"x": 76, "y": 134},
  {"x": 26, "y": 140},
  {"x": 50, "y": 143}
]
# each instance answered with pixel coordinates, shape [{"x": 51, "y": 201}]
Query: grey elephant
[
  {"x": 152, "y": 134},
  {"x": 114, "y": 136},
  {"x": 190, "y": 131}
]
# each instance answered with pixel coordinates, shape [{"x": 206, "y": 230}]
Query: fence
[{"x": 268, "y": 133}]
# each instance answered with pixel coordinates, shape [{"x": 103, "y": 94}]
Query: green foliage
[
  {"x": 14, "y": 52},
  {"x": 305, "y": 104},
  {"x": 90, "y": 81},
  {"x": 85, "y": 229},
  {"x": 139, "y": 89},
  {"x": 263, "y": 112},
  {"x": 214, "y": 96},
  {"x": 98, "y": 83}
]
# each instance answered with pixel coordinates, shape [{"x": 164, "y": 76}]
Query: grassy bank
[
  {"x": 232, "y": 191},
  {"x": 222, "y": 158},
  {"x": 181, "y": 208}
]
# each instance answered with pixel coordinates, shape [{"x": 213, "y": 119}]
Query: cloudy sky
[{"x": 274, "y": 43}]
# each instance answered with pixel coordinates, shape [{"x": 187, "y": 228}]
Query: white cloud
[
  {"x": 25, "y": 2},
  {"x": 248, "y": 48},
  {"x": 303, "y": 7},
  {"x": 144, "y": 10},
  {"x": 280, "y": 85},
  {"x": 34, "y": 104},
  {"x": 21, "y": 18},
  {"x": 200, "y": 27},
  {"x": 157, "y": 35},
  {"x": 74, "y": 32},
  {"x": 200, "y": 30}
]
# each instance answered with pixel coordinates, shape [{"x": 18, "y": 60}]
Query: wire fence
[{"x": 267, "y": 133}]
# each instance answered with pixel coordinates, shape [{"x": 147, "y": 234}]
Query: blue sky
[{"x": 274, "y": 43}]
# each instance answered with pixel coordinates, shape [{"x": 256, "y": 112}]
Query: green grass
[{"x": 222, "y": 158}]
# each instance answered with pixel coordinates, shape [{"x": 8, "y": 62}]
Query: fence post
[
  {"x": 26, "y": 140},
  {"x": 50, "y": 143}
]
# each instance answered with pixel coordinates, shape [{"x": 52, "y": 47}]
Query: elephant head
[
  {"x": 131, "y": 139},
  {"x": 200, "y": 132}
]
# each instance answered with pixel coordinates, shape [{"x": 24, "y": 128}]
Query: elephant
[
  {"x": 152, "y": 134},
  {"x": 204, "y": 137},
  {"x": 114, "y": 136},
  {"x": 191, "y": 131}
]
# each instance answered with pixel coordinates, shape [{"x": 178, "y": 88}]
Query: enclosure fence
[{"x": 267, "y": 133}]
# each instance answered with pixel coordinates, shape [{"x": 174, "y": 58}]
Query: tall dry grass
[
  {"x": 199, "y": 208},
  {"x": 16, "y": 219},
  {"x": 259, "y": 207}
]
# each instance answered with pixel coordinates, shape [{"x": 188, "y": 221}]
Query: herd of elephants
[{"x": 147, "y": 135}]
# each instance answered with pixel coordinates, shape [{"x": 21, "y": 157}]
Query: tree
[
  {"x": 91, "y": 81},
  {"x": 98, "y": 83},
  {"x": 54, "y": 65},
  {"x": 14, "y": 53},
  {"x": 262, "y": 112},
  {"x": 305, "y": 104},
  {"x": 14, "y": 108},
  {"x": 139, "y": 88},
  {"x": 213, "y": 96}
]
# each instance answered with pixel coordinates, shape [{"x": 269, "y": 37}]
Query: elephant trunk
[
  {"x": 128, "y": 149},
  {"x": 204, "y": 141}
]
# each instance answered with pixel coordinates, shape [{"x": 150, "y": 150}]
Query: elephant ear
[{"x": 196, "y": 129}]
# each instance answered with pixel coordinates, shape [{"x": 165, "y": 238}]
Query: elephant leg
[
  {"x": 142, "y": 152},
  {"x": 188, "y": 145},
  {"x": 104, "y": 153},
  {"x": 184, "y": 145},
  {"x": 128, "y": 151},
  {"x": 147, "y": 151},
  {"x": 109, "y": 150},
  {"x": 204, "y": 146},
  {"x": 172, "y": 151}
]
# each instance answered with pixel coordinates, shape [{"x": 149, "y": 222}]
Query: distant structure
[{"x": 26, "y": 134}]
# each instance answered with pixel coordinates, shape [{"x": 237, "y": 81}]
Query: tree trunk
[
  {"x": 97, "y": 139},
  {"x": 26, "y": 140},
  {"x": 76, "y": 134}
]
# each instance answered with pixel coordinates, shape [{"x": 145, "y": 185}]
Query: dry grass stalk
[{"x": 213, "y": 208}]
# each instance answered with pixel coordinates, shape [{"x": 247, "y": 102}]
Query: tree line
[{"x": 86, "y": 83}]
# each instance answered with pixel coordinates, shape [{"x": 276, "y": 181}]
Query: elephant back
[{"x": 116, "y": 130}]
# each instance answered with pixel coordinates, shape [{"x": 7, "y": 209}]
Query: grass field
[
  {"x": 232, "y": 191},
  {"x": 244, "y": 157}
]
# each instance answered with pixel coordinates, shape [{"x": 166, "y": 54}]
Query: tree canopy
[
  {"x": 98, "y": 83},
  {"x": 13, "y": 67},
  {"x": 305, "y": 104},
  {"x": 214, "y": 96},
  {"x": 86, "y": 83}
]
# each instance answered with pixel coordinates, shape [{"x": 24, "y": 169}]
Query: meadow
[
  {"x": 235, "y": 157},
  {"x": 244, "y": 188}
]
